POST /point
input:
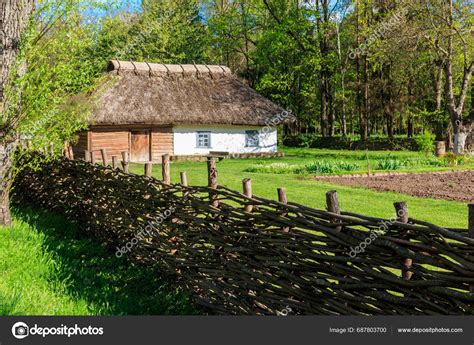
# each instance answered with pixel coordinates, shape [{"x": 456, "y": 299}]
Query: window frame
[
  {"x": 198, "y": 146},
  {"x": 247, "y": 138}
]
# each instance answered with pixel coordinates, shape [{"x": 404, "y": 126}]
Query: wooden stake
[
  {"x": 71, "y": 152},
  {"x": 332, "y": 203},
  {"x": 471, "y": 233},
  {"x": 184, "y": 181},
  {"x": 282, "y": 195},
  {"x": 402, "y": 216},
  {"x": 402, "y": 211},
  {"x": 125, "y": 156},
  {"x": 212, "y": 180},
  {"x": 93, "y": 161},
  {"x": 148, "y": 169},
  {"x": 103, "y": 153},
  {"x": 125, "y": 162},
  {"x": 87, "y": 156},
  {"x": 125, "y": 166},
  {"x": 247, "y": 187},
  {"x": 284, "y": 200},
  {"x": 114, "y": 162},
  {"x": 165, "y": 169}
]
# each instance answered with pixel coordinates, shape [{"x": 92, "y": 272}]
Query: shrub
[
  {"x": 451, "y": 159},
  {"x": 425, "y": 142},
  {"x": 350, "y": 143}
]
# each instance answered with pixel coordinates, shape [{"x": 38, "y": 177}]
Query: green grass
[
  {"x": 47, "y": 268},
  {"x": 305, "y": 190}
]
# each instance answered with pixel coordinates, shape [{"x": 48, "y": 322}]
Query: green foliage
[
  {"x": 273, "y": 168},
  {"x": 318, "y": 167},
  {"x": 451, "y": 159},
  {"x": 425, "y": 142},
  {"x": 389, "y": 164},
  {"x": 46, "y": 100},
  {"x": 168, "y": 31}
]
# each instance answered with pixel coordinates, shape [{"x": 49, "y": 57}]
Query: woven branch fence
[{"x": 237, "y": 253}]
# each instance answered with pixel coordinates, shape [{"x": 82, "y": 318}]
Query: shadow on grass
[{"x": 92, "y": 272}]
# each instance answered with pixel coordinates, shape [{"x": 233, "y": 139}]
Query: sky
[{"x": 129, "y": 5}]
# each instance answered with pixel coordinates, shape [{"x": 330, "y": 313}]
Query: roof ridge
[{"x": 167, "y": 69}]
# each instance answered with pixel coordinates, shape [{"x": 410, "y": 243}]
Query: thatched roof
[{"x": 156, "y": 94}]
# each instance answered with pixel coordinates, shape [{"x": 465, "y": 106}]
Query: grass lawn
[
  {"x": 47, "y": 268},
  {"x": 303, "y": 189}
]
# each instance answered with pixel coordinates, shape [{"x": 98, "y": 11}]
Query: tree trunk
[
  {"x": 461, "y": 132},
  {"x": 14, "y": 16},
  {"x": 326, "y": 115},
  {"x": 5, "y": 172},
  {"x": 410, "y": 131},
  {"x": 365, "y": 101},
  {"x": 438, "y": 85}
]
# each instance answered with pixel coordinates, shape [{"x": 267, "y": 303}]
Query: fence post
[
  {"x": 148, "y": 169},
  {"x": 284, "y": 200},
  {"x": 402, "y": 216},
  {"x": 212, "y": 180},
  {"x": 103, "y": 153},
  {"x": 165, "y": 169},
  {"x": 114, "y": 162},
  {"x": 332, "y": 203},
  {"x": 93, "y": 160},
  {"x": 184, "y": 182},
  {"x": 247, "y": 187},
  {"x": 71, "y": 152},
  {"x": 87, "y": 156},
  {"x": 125, "y": 162},
  {"x": 471, "y": 233}
]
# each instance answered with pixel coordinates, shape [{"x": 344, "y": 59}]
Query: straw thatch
[{"x": 156, "y": 94}]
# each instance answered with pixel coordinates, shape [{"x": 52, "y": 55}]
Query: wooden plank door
[{"x": 140, "y": 146}]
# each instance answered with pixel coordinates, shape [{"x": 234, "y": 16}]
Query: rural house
[{"x": 153, "y": 109}]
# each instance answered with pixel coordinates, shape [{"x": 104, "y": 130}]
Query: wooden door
[{"x": 140, "y": 146}]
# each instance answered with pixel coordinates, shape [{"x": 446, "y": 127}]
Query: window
[
  {"x": 252, "y": 139},
  {"x": 203, "y": 140}
]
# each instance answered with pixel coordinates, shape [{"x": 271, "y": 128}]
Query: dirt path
[{"x": 458, "y": 186}]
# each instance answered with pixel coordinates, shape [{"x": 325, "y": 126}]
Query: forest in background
[{"x": 344, "y": 68}]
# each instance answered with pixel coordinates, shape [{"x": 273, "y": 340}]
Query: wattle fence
[{"x": 237, "y": 253}]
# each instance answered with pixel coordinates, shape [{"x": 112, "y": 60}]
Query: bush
[
  {"x": 350, "y": 143},
  {"x": 425, "y": 142},
  {"x": 451, "y": 159}
]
